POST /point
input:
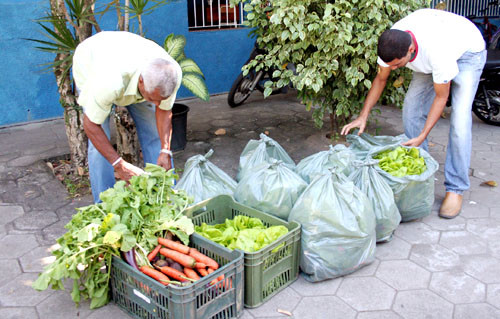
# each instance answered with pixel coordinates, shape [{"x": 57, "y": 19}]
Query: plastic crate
[
  {"x": 268, "y": 270},
  {"x": 143, "y": 297}
]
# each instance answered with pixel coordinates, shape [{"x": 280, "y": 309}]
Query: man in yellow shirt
[{"x": 122, "y": 68}]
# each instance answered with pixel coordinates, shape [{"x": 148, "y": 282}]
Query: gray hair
[{"x": 162, "y": 74}]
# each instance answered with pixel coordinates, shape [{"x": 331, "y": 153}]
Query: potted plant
[{"x": 192, "y": 79}]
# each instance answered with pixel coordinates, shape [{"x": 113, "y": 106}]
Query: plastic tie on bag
[
  {"x": 368, "y": 162},
  {"x": 206, "y": 156}
]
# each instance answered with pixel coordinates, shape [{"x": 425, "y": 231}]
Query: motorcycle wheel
[
  {"x": 240, "y": 90},
  {"x": 480, "y": 108},
  {"x": 266, "y": 77}
]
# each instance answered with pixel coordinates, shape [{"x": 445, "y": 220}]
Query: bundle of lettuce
[
  {"x": 202, "y": 179},
  {"x": 374, "y": 186},
  {"x": 262, "y": 151},
  {"x": 410, "y": 174},
  {"x": 339, "y": 156},
  {"x": 245, "y": 233},
  {"x": 338, "y": 227},
  {"x": 272, "y": 188},
  {"x": 362, "y": 144}
]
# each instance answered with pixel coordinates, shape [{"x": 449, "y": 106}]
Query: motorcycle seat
[{"x": 493, "y": 59}]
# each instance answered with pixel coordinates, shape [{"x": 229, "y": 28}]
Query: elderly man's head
[{"x": 158, "y": 80}]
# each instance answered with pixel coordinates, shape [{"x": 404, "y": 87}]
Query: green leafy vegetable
[
  {"x": 129, "y": 216},
  {"x": 246, "y": 233},
  {"x": 402, "y": 161}
]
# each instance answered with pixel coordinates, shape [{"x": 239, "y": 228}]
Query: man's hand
[
  {"x": 164, "y": 161},
  {"x": 414, "y": 142},
  {"x": 359, "y": 122},
  {"x": 126, "y": 170}
]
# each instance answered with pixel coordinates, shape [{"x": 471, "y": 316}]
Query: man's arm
[
  {"x": 100, "y": 141},
  {"x": 164, "y": 126},
  {"x": 376, "y": 90},
  {"x": 437, "y": 107}
]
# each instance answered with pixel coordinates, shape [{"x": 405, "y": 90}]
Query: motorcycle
[
  {"x": 486, "y": 103},
  {"x": 244, "y": 85}
]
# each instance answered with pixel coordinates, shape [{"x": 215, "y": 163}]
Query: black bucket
[{"x": 179, "y": 127}]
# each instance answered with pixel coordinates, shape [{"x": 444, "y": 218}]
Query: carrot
[
  {"x": 203, "y": 259},
  {"x": 190, "y": 273},
  {"x": 203, "y": 272},
  {"x": 200, "y": 265},
  {"x": 174, "y": 273},
  {"x": 173, "y": 245},
  {"x": 184, "y": 260},
  {"x": 155, "y": 274},
  {"x": 154, "y": 252},
  {"x": 210, "y": 270}
]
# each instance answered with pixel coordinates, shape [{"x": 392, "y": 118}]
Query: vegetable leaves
[
  {"x": 402, "y": 161},
  {"x": 129, "y": 216}
]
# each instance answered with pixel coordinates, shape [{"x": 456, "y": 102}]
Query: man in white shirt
[
  {"x": 440, "y": 47},
  {"x": 122, "y": 68}
]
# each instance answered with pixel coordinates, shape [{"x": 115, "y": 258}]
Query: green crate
[
  {"x": 268, "y": 270},
  {"x": 144, "y": 297}
]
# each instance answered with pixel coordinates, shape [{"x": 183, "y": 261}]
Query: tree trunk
[{"x": 127, "y": 142}]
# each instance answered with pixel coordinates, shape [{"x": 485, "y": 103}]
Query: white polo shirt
[
  {"x": 442, "y": 38},
  {"x": 106, "y": 70}
]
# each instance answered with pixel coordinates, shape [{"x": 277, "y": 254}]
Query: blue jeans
[
  {"x": 418, "y": 102},
  {"x": 101, "y": 172}
]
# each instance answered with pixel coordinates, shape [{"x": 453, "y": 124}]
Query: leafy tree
[{"x": 333, "y": 45}]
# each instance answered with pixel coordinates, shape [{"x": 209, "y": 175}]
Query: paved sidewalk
[{"x": 433, "y": 268}]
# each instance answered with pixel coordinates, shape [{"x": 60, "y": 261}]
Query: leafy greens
[
  {"x": 245, "y": 233},
  {"x": 402, "y": 161},
  {"x": 129, "y": 216}
]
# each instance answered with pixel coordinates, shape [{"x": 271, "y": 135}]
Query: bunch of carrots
[{"x": 182, "y": 264}]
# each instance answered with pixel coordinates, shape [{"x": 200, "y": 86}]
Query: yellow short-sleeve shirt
[{"x": 106, "y": 70}]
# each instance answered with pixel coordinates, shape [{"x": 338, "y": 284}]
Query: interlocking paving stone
[
  {"x": 9, "y": 213},
  {"x": 287, "y": 299},
  {"x": 493, "y": 294},
  {"x": 403, "y": 274},
  {"x": 18, "y": 313},
  {"x": 9, "y": 269},
  {"x": 474, "y": 210},
  {"x": 36, "y": 220},
  {"x": 416, "y": 304},
  {"x": 482, "y": 267},
  {"x": 463, "y": 243},
  {"x": 434, "y": 257},
  {"x": 112, "y": 311},
  {"x": 482, "y": 310},
  {"x": 61, "y": 300},
  {"x": 322, "y": 288},
  {"x": 366, "y": 293},
  {"x": 484, "y": 228},
  {"x": 367, "y": 270},
  {"x": 443, "y": 224},
  {"x": 14, "y": 246},
  {"x": 36, "y": 259},
  {"x": 458, "y": 287},
  {"x": 417, "y": 233},
  {"x": 323, "y": 307},
  {"x": 378, "y": 315},
  {"x": 395, "y": 249},
  {"x": 19, "y": 293}
]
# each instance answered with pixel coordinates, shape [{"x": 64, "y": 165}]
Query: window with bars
[{"x": 214, "y": 15}]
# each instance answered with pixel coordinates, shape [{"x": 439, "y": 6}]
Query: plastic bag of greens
[
  {"x": 262, "y": 151},
  {"x": 413, "y": 194},
  {"x": 319, "y": 163},
  {"x": 202, "y": 179},
  {"x": 338, "y": 227},
  {"x": 373, "y": 185},
  {"x": 272, "y": 188},
  {"x": 362, "y": 144}
]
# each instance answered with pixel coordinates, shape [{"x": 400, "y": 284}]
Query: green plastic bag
[
  {"x": 338, "y": 227},
  {"x": 361, "y": 145},
  {"x": 202, "y": 179},
  {"x": 272, "y": 188},
  {"x": 319, "y": 163},
  {"x": 262, "y": 151},
  {"x": 413, "y": 194},
  {"x": 374, "y": 186}
]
